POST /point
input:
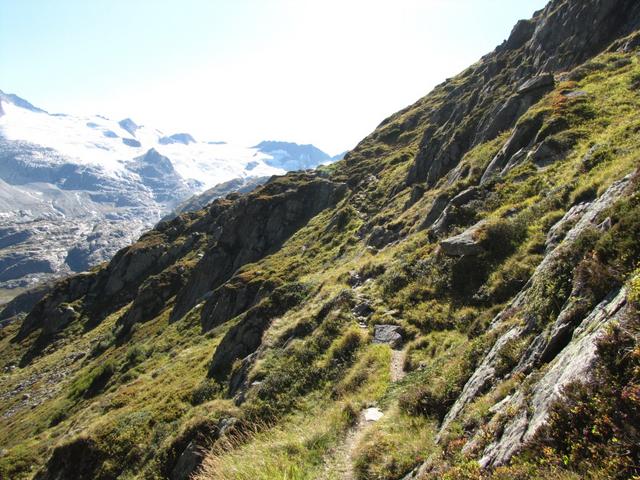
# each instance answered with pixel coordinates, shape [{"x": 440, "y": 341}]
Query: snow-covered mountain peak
[
  {"x": 75, "y": 189},
  {"x": 109, "y": 144}
]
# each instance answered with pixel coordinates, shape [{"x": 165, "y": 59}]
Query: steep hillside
[{"x": 457, "y": 298}]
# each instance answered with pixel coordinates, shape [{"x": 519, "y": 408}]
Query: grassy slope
[{"x": 134, "y": 398}]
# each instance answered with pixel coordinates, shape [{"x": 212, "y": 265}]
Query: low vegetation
[{"x": 146, "y": 400}]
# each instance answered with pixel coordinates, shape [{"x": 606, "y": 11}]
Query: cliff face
[
  {"x": 491, "y": 96},
  {"x": 457, "y": 298}
]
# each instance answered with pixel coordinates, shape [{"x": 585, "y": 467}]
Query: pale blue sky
[{"x": 311, "y": 71}]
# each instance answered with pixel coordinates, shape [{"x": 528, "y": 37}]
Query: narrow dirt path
[
  {"x": 338, "y": 463},
  {"x": 397, "y": 365}
]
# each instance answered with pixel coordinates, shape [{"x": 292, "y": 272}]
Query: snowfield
[{"x": 105, "y": 144}]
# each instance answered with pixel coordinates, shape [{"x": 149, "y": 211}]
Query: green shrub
[
  {"x": 619, "y": 247},
  {"x": 344, "y": 347},
  {"x": 509, "y": 355},
  {"x": 135, "y": 356},
  {"x": 205, "y": 391},
  {"x": 60, "y": 414},
  {"x": 103, "y": 343},
  {"x": 426, "y": 401},
  {"x": 501, "y": 237},
  {"x": 288, "y": 296},
  {"x": 394, "y": 280},
  {"x": 634, "y": 288},
  {"x": 585, "y": 193},
  {"x": 92, "y": 382}
]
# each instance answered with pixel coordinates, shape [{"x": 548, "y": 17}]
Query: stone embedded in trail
[
  {"x": 363, "y": 310},
  {"x": 389, "y": 334},
  {"x": 372, "y": 414}
]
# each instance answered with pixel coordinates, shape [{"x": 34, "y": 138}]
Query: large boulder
[
  {"x": 465, "y": 243},
  {"x": 389, "y": 334}
]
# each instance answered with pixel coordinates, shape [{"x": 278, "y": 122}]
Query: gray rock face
[
  {"x": 241, "y": 341},
  {"x": 437, "y": 207},
  {"x": 541, "y": 81},
  {"x": 192, "y": 445},
  {"x": 465, "y": 243},
  {"x": 380, "y": 237},
  {"x": 250, "y": 227},
  {"x": 230, "y": 300},
  {"x": 389, "y": 334},
  {"x": 569, "y": 363},
  {"x": 522, "y": 136},
  {"x": 153, "y": 295},
  {"x": 573, "y": 363},
  {"x": 557, "y": 232},
  {"x": 449, "y": 214},
  {"x": 560, "y": 37},
  {"x": 363, "y": 309},
  {"x": 520, "y": 34},
  {"x": 482, "y": 379},
  {"x": 547, "y": 152}
]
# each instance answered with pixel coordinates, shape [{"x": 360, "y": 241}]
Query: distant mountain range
[{"x": 74, "y": 190}]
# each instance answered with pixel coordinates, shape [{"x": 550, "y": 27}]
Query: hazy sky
[{"x": 311, "y": 71}]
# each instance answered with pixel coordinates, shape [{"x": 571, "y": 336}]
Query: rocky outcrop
[
  {"x": 51, "y": 313},
  {"x": 435, "y": 211},
  {"x": 231, "y": 299},
  {"x": 468, "y": 242},
  {"x": 153, "y": 296},
  {"x": 557, "y": 39},
  {"x": 107, "y": 289},
  {"x": 185, "y": 454},
  {"x": 573, "y": 363},
  {"x": 252, "y": 227},
  {"x": 483, "y": 377},
  {"x": 244, "y": 338},
  {"x": 522, "y": 136},
  {"x": 445, "y": 213},
  {"x": 535, "y": 83},
  {"x": 579, "y": 349},
  {"x": 150, "y": 273}
]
